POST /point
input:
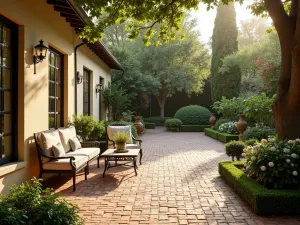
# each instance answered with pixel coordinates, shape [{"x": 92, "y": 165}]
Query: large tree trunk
[
  {"x": 286, "y": 107},
  {"x": 161, "y": 98}
]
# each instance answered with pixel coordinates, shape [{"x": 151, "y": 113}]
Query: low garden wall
[
  {"x": 262, "y": 201},
  {"x": 225, "y": 138}
]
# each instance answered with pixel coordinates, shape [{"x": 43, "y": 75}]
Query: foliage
[
  {"x": 259, "y": 108},
  {"x": 141, "y": 103},
  {"x": 193, "y": 115},
  {"x": 219, "y": 122},
  {"x": 173, "y": 124},
  {"x": 224, "y": 42},
  {"x": 193, "y": 128},
  {"x": 84, "y": 125},
  {"x": 116, "y": 99},
  {"x": 159, "y": 121},
  {"x": 149, "y": 125},
  {"x": 228, "y": 128},
  {"x": 121, "y": 137},
  {"x": 229, "y": 108},
  {"x": 127, "y": 115},
  {"x": 98, "y": 131},
  {"x": 133, "y": 128},
  {"x": 211, "y": 133},
  {"x": 258, "y": 133},
  {"x": 30, "y": 204},
  {"x": 251, "y": 141},
  {"x": 235, "y": 149},
  {"x": 262, "y": 201},
  {"x": 225, "y": 138},
  {"x": 274, "y": 163}
]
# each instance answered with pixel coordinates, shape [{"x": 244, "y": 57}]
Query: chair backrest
[{"x": 112, "y": 129}]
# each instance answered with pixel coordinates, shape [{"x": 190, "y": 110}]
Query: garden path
[{"x": 178, "y": 183}]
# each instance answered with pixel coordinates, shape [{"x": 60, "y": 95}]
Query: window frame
[
  {"x": 13, "y": 90},
  {"x": 86, "y": 72},
  {"x": 61, "y": 68}
]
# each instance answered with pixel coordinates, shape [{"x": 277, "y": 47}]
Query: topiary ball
[{"x": 193, "y": 115}]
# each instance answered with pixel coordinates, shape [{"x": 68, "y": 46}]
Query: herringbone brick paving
[{"x": 178, "y": 183}]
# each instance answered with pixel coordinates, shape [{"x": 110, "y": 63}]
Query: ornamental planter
[
  {"x": 212, "y": 120},
  {"x": 120, "y": 147},
  {"x": 139, "y": 125},
  {"x": 241, "y": 126}
]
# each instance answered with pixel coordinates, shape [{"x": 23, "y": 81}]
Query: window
[
  {"x": 8, "y": 90},
  {"x": 55, "y": 89},
  {"x": 86, "y": 91}
]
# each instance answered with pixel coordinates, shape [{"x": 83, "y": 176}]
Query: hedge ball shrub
[
  {"x": 173, "y": 124},
  {"x": 235, "y": 149},
  {"x": 220, "y": 122},
  {"x": 258, "y": 133},
  {"x": 193, "y": 115}
]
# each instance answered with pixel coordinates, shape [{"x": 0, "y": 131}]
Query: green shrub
[
  {"x": 251, "y": 142},
  {"x": 29, "y": 204},
  {"x": 258, "y": 133},
  {"x": 262, "y": 201},
  {"x": 211, "y": 133},
  {"x": 84, "y": 125},
  {"x": 230, "y": 108},
  {"x": 219, "y": 122},
  {"x": 228, "y": 128},
  {"x": 128, "y": 115},
  {"x": 98, "y": 131},
  {"x": 235, "y": 149},
  {"x": 133, "y": 128},
  {"x": 225, "y": 138},
  {"x": 193, "y": 115},
  {"x": 149, "y": 125},
  {"x": 274, "y": 163},
  {"x": 173, "y": 124},
  {"x": 159, "y": 121}
]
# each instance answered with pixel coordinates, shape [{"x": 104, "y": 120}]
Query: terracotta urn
[
  {"x": 121, "y": 119},
  {"x": 241, "y": 126},
  {"x": 139, "y": 125},
  {"x": 212, "y": 120}
]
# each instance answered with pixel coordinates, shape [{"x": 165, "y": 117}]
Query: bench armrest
[{"x": 89, "y": 144}]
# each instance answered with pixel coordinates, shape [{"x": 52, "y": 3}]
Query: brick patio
[{"x": 178, "y": 183}]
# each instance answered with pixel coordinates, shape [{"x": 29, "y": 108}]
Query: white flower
[
  {"x": 264, "y": 141},
  {"x": 271, "y": 164},
  {"x": 294, "y": 155},
  {"x": 256, "y": 147},
  {"x": 243, "y": 155},
  {"x": 273, "y": 149},
  {"x": 288, "y": 160},
  {"x": 271, "y": 139},
  {"x": 292, "y": 164},
  {"x": 295, "y": 173},
  {"x": 286, "y": 150},
  {"x": 291, "y": 142},
  {"x": 253, "y": 158},
  {"x": 263, "y": 168},
  {"x": 298, "y": 140}
]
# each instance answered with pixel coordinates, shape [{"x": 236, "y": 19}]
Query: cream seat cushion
[
  {"x": 48, "y": 139},
  {"x": 65, "y": 135},
  {"x": 111, "y": 130},
  {"x": 89, "y": 152},
  {"x": 64, "y": 164},
  {"x": 133, "y": 146}
]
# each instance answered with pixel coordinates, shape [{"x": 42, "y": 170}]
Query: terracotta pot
[
  {"x": 120, "y": 146},
  {"x": 241, "y": 126},
  {"x": 139, "y": 125},
  {"x": 212, "y": 120}
]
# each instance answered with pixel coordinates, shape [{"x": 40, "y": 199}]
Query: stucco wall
[{"x": 38, "y": 20}]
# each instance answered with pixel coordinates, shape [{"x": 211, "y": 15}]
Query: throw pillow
[
  {"x": 58, "y": 150},
  {"x": 75, "y": 143}
]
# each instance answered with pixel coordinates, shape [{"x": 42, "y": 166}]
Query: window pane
[
  {"x": 51, "y": 105},
  {"x": 51, "y": 89},
  {"x": 6, "y": 36},
  {"x": 51, "y": 121},
  {"x": 7, "y": 124},
  {"x": 5, "y": 148},
  {"x": 52, "y": 74},
  {"x": 6, "y": 82},
  {"x": 6, "y": 57},
  {"x": 7, "y": 101}
]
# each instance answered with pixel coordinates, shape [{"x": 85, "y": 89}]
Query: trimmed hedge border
[
  {"x": 149, "y": 125},
  {"x": 262, "y": 201},
  {"x": 193, "y": 128},
  {"x": 225, "y": 138}
]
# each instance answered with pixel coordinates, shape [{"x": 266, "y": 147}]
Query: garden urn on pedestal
[
  {"x": 139, "y": 125},
  {"x": 212, "y": 120},
  {"x": 241, "y": 126}
]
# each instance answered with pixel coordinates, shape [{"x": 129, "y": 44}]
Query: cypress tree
[{"x": 224, "y": 42}]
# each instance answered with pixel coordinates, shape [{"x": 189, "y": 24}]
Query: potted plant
[{"x": 120, "y": 138}]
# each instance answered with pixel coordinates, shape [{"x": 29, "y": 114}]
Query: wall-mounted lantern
[
  {"x": 40, "y": 53},
  {"x": 98, "y": 88},
  {"x": 79, "y": 78}
]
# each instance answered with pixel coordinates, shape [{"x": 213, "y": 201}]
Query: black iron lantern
[
  {"x": 40, "y": 53},
  {"x": 98, "y": 88}
]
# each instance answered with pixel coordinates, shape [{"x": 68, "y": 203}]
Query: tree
[
  {"x": 168, "y": 16},
  {"x": 224, "y": 42}
]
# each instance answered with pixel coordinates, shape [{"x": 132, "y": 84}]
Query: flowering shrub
[
  {"x": 228, "y": 128},
  {"x": 274, "y": 163}
]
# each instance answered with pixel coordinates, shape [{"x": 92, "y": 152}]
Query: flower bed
[
  {"x": 149, "y": 125},
  {"x": 225, "y": 138},
  {"x": 193, "y": 128},
  {"x": 263, "y": 201}
]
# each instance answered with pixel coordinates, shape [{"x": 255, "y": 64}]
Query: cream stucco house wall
[{"x": 26, "y": 105}]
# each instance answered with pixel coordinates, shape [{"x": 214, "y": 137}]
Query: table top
[{"x": 130, "y": 153}]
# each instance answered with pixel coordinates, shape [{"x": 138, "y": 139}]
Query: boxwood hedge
[{"x": 193, "y": 115}]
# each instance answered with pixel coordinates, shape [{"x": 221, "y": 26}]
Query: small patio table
[{"x": 129, "y": 157}]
